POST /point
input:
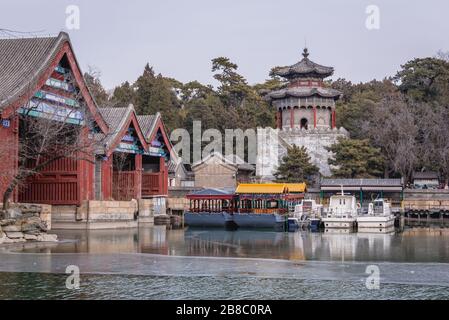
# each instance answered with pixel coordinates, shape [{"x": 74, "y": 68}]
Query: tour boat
[
  {"x": 378, "y": 219},
  {"x": 211, "y": 208},
  {"x": 342, "y": 212}
]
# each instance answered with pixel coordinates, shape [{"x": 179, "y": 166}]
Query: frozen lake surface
[{"x": 153, "y": 263}]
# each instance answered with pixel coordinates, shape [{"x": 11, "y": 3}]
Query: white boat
[
  {"x": 342, "y": 212},
  {"x": 307, "y": 213},
  {"x": 378, "y": 219}
]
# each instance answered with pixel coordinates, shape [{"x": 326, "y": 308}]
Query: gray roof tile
[
  {"x": 23, "y": 61},
  {"x": 300, "y": 92},
  {"x": 304, "y": 68}
]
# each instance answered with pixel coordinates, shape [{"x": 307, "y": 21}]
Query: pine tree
[
  {"x": 296, "y": 166},
  {"x": 356, "y": 159}
]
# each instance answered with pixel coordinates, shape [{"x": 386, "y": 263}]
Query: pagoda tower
[{"x": 305, "y": 116}]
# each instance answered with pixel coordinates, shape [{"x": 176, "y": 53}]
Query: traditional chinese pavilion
[
  {"x": 305, "y": 116},
  {"x": 41, "y": 76}
]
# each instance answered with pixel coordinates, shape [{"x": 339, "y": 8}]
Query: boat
[
  {"x": 211, "y": 208},
  {"x": 207, "y": 219},
  {"x": 261, "y": 219},
  {"x": 342, "y": 212},
  {"x": 266, "y": 205},
  {"x": 306, "y": 214},
  {"x": 378, "y": 219},
  {"x": 249, "y": 206}
]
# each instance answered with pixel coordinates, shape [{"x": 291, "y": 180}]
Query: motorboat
[
  {"x": 307, "y": 214},
  {"x": 342, "y": 212},
  {"x": 378, "y": 219}
]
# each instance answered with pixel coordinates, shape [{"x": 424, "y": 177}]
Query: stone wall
[
  {"x": 272, "y": 145},
  {"x": 418, "y": 199},
  {"x": 26, "y": 222},
  {"x": 148, "y": 208},
  {"x": 95, "y": 214},
  {"x": 215, "y": 175}
]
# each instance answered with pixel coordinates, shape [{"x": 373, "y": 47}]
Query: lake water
[{"x": 155, "y": 263}]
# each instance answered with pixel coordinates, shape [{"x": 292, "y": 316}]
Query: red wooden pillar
[
  {"x": 106, "y": 178},
  {"x": 163, "y": 177},
  {"x": 334, "y": 120},
  {"x": 138, "y": 177},
  {"x": 292, "y": 118},
  {"x": 279, "y": 119},
  {"x": 314, "y": 116}
]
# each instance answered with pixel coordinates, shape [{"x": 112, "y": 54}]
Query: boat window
[{"x": 272, "y": 204}]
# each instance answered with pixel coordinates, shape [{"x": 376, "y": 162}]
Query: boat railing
[{"x": 264, "y": 211}]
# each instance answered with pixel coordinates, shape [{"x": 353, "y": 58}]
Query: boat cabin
[
  {"x": 269, "y": 197},
  {"x": 213, "y": 201}
]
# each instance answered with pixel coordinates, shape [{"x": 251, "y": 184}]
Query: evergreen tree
[
  {"x": 296, "y": 166},
  {"x": 156, "y": 94},
  {"x": 123, "y": 95},
  {"x": 92, "y": 79},
  {"x": 355, "y": 159}
]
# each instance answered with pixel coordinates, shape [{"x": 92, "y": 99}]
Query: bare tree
[
  {"x": 434, "y": 149},
  {"x": 392, "y": 127}
]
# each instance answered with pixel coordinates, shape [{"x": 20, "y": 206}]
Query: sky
[{"x": 179, "y": 38}]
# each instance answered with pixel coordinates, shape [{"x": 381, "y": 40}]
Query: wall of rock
[
  {"x": 272, "y": 145},
  {"x": 26, "y": 222}
]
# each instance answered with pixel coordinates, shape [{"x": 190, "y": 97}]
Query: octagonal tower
[
  {"x": 305, "y": 103},
  {"x": 305, "y": 117}
]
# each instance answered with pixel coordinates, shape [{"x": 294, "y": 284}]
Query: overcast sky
[{"x": 179, "y": 37}]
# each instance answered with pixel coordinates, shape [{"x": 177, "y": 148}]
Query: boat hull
[
  {"x": 339, "y": 223},
  {"x": 243, "y": 220},
  {"x": 376, "y": 230},
  {"x": 375, "y": 222},
  {"x": 213, "y": 220}
]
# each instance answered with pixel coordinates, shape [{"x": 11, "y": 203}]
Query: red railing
[
  {"x": 56, "y": 184},
  {"x": 154, "y": 184},
  {"x": 50, "y": 192},
  {"x": 123, "y": 185}
]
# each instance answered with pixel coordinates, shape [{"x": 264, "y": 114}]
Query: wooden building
[
  {"x": 132, "y": 160},
  {"x": 217, "y": 171},
  {"x": 426, "y": 180}
]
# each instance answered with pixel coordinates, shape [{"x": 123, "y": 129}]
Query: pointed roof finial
[{"x": 305, "y": 53}]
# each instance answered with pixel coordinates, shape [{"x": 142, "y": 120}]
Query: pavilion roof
[
  {"x": 296, "y": 187},
  {"x": 302, "y": 92},
  {"x": 304, "y": 68},
  {"x": 211, "y": 193},
  {"x": 261, "y": 188}
]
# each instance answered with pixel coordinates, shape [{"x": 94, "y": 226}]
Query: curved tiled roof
[
  {"x": 147, "y": 123},
  {"x": 116, "y": 119},
  {"x": 301, "y": 92},
  {"x": 304, "y": 68},
  {"x": 23, "y": 61}
]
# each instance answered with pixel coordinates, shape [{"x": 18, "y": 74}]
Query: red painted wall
[{"x": 8, "y": 155}]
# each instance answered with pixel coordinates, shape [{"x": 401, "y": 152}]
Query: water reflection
[{"x": 413, "y": 245}]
